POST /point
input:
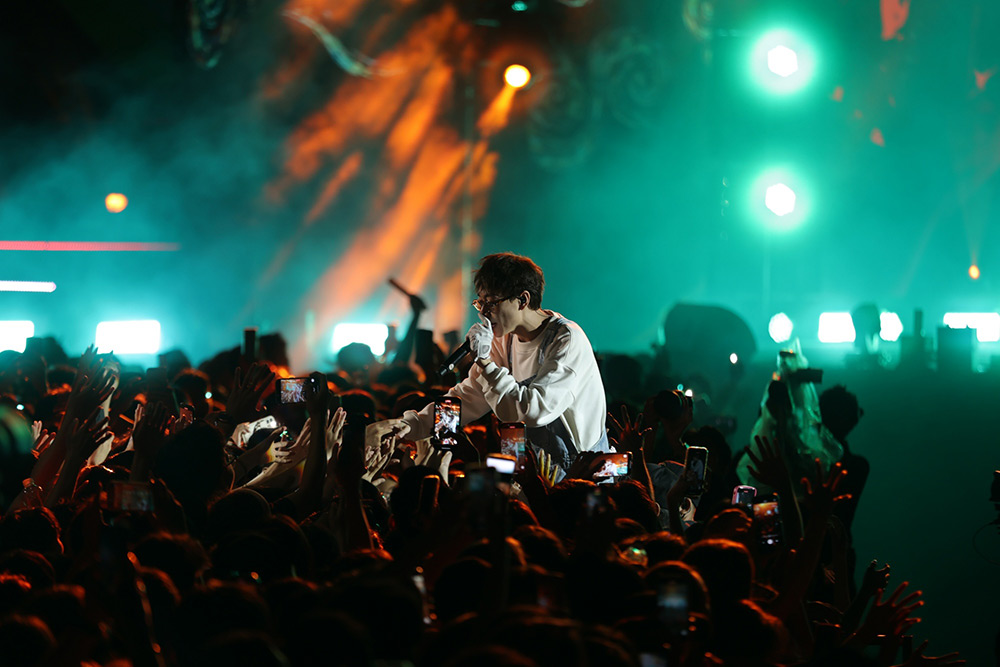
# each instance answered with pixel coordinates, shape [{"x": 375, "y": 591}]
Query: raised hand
[
  {"x": 547, "y": 469},
  {"x": 292, "y": 453},
  {"x": 875, "y": 579},
  {"x": 890, "y": 617},
  {"x": 242, "y": 405},
  {"x": 334, "y": 431},
  {"x": 821, "y": 498},
  {"x": 629, "y": 435},
  {"x": 769, "y": 467},
  {"x": 148, "y": 436},
  {"x": 42, "y": 440},
  {"x": 918, "y": 659}
]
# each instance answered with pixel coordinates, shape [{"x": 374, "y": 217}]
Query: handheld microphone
[{"x": 460, "y": 353}]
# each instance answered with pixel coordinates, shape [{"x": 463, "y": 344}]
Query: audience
[{"x": 146, "y": 524}]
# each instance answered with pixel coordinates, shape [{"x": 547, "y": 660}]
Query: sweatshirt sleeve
[
  {"x": 552, "y": 391},
  {"x": 474, "y": 405}
]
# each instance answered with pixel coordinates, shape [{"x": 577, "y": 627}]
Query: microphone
[{"x": 460, "y": 353}]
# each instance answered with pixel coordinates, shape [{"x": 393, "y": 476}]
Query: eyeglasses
[{"x": 486, "y": 305}]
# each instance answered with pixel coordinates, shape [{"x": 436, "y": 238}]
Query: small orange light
[
  {"x": 974, "y": 272},
  {"x": 116, "y": 202}
]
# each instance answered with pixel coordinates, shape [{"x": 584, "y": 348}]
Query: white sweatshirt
[{"x": 567, "y": 386}]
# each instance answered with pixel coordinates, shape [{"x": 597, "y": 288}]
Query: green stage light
[
  {"x": 782, "y": 62},
  {"x": 780, "y": 199},
  {"x": 780, "y": 328}
]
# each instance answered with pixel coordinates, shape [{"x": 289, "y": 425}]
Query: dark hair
[{"x": 507, "y": 274}]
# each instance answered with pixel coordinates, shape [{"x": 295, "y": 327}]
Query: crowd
[{"x": 184, "y": 516}]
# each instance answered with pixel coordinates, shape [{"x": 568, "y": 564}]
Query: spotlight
[
  {"x": 780, "y": 199},
  {"x": 372, "y": 335},
  {"x": 987, "y": 325},
  {"x": 734, "y": 358},
  {"x": 836, "y": 328},
  {"x": 780, "y": 328},
  {"x": 974, "y": 272},
  {"x": 517, "y": 76},
  {"x": 782, "y": 61},
  {"x": 892, "y": 327},
  {"x": 116, "y": 202},
  {"x": 14, "y": 334},
  {"x": 128, "y": 337}
]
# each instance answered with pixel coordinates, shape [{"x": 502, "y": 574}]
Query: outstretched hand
[
  {"x": 918, "y": 659},
  {"x": 244, "y": 399},
  {"x": 769, "y": 467},
  {"x": 630, "y": 435},
  {"x": 821, "y": 498},
  {"x": 890, "y": 617}
]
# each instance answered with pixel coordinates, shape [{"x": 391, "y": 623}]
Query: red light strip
[{"x": 88, "y": 246}]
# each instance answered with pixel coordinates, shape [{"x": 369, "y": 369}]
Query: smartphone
[
  {"x": 292, "y": 390},
  {"x": 617, "y": 464},
  {"x": 597, "y": 503},
  {"x": 768, "y": 517},
  {"x": 447, "y": 421},
  {"x": 502, "y": 463},
  {"x": 513, "y": 442},
  {"x": 268, "y": 422},
  {"x": 695, "y": 463},
  {"x": 672, "y": 600},
  {"x": 250, "y": 343},
  {"x": 130, "y": 497},
  {"x": 744, "y": 495},
  {"x": 423, "y": 348},
  {"x": 428, "y": 499}
]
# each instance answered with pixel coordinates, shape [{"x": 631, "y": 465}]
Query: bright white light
[
  {"x": 208, "y": 394},
  {"x": 689, "y": 392},
  {"x": 517, "y": 76},
  {"x": 987, "y": 325},
  {"x": 780, "y": 199},
  {"x": 891, "y": 328},
  {"x": 372, "y": 335},
  {"x": 733, "y": 358},
  {"x": 128, "y": 337},
  {"x": 20, "y": 406},
  {"x": 836, "y": 328},
  {"x": 782, "y": 61},
  {"x": 780, "y": 328},
  {"x": 14, "y": 334},
  {"x": 26, "y": 286}
]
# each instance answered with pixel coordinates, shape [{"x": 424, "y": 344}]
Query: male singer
[{"x": 532, "y": 366}]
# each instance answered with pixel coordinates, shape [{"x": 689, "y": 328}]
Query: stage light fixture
[
  {"x": 517, "y": 76},
  {"x": 14, "y": 334},
  {"x": 734, "y": 358},
  {"x": 372, "y": 335},
  {"x": 974, "y": 272},
  {"x": 987, "y": 325},
  {"x": 782, "y": 61},
  {"x": 836, "y": 328},
  {"x": 128, "y": 337},
  {"x": 780, "y": 199},
  {"x": 780, "y": 328},
  {"x": 27, "y": 286},
  {"x": 116, "y": 202},
  {"x": 891, "y": 327}
]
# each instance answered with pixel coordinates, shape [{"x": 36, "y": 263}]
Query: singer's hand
[{"x": 481, "y": 338}]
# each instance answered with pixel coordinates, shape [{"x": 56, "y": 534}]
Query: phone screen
[
  {"x": 292, "y": 390},
  {"x": 512, "y": 442},
  {"x": 131, "y": 497},
  {"x": 769, "y": 519},
  {"x": 505, "y": 465},
  {"x": 613, "y": 465},
  {"x": 672, "y": 599},
  {"x": 447, "y": 421},
  {"x": 744, "y": 495},
  {"x": 695, "y": 462}
]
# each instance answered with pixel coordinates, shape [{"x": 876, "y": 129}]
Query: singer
[{"x": 532, "y": 365}]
